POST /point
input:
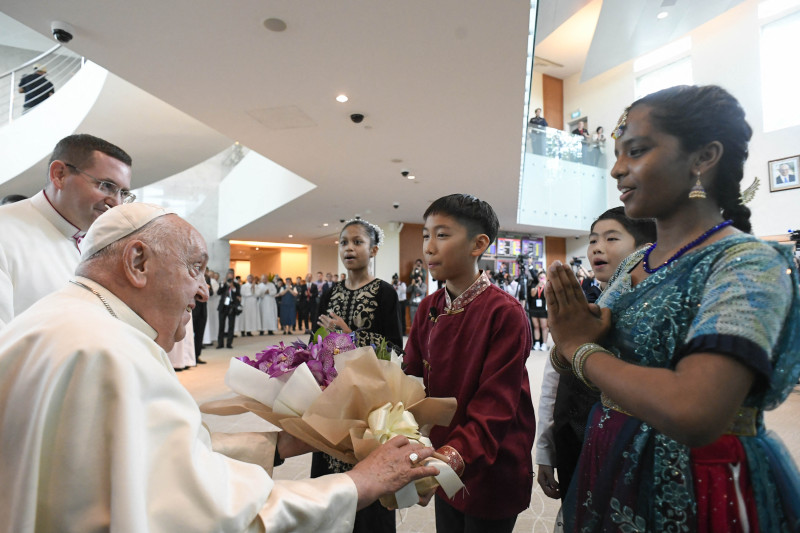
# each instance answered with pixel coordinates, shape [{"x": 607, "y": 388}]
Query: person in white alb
[
  {"x": 251, "y": 321},
  {"x": 96, "y": 432},
  {"x": 267, "y": 305},
  {"x": 212, "y": 320},
  {"x": 41, "y": 236}
]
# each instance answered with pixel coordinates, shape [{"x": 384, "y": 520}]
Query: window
[
  {"x": 676, "y": 73},
  {"x": 780, "y": 76}
]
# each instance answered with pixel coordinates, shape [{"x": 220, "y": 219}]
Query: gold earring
[{"x": 698, "y": 192}]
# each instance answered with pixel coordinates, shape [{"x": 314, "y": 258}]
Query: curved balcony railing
[
  {"x": 565, "y": 146},
  {"x": 60, "y": 65}
]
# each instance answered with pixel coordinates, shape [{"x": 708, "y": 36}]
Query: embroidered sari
[{"x": 737, "y": 297}]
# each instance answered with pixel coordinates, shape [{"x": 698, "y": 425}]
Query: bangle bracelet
[
  {"x": 454, "y": 459},
  {"x": 579, "y": 361},
  {"x": 558, "y": 363}
]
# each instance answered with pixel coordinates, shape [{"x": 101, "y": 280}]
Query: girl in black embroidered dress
[{"x": 368, "y": 306}]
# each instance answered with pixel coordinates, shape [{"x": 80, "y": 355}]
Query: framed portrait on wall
[{"x": 783, "y": 174}]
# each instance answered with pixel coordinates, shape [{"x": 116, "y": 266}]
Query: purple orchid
[{"x": 281, "y": 359}]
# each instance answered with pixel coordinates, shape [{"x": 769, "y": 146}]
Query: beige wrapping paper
[{"x": 335, "y": 422}]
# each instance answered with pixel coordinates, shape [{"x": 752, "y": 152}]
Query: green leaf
[
  {"x": 382, "y": 352},
  {"x": 321, "y": 332}
]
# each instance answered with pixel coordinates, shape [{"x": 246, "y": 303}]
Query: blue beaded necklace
[{"x": 679, "y": 253}]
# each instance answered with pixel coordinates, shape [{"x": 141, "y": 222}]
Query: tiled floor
[{"x": 206, "y": 382}]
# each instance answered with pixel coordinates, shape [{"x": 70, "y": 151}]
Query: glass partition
[{"x": 558, "y": 144}]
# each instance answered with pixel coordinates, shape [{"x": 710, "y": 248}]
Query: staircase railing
[{"x": 60, "y": 65}]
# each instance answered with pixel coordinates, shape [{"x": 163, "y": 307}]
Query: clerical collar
[
  {"x": 41, "y": 202},
  {"x": 474, "y": 290},
  {"x": 121, "y": 309}
]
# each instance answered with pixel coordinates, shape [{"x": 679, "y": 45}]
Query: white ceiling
[{"x": 441, "y": 85}]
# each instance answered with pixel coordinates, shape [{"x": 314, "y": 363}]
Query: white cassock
[
  {"x": 182, "y": 354},
  {"x": 268, "y": 307},
  {"x": 250, "y": 314},
  {"x": 98, "y": 434},
  {"x": 38, "y": 253},
  {"x": 212, "y": 320}
]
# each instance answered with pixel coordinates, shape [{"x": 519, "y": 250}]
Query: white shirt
[
  {"x": 38, "y": 253},
  {"x": 401, "y": 288},
  {"x": 545, "y": 443},
  {"x": 97, "y": 434}
]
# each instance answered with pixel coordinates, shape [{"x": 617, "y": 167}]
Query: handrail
[
  {"x": 61, "y": 65},
  {"x": 31, "y": 61}
]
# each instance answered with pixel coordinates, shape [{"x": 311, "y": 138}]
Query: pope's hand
[{"x": 389, "y": 468}]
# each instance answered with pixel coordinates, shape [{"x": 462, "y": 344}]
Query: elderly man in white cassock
[
  {"x": 96, "y": 432},
  {"x": 40, "y": 237}
]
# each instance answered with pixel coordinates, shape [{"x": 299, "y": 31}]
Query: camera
[
  {"x": 357, "y": 118},
  {"x": 396, "y": 205},
  {"x": 341, "y": 221},
  {"x": 575, "y": 261},
  {"x": 62, "y": 32}
]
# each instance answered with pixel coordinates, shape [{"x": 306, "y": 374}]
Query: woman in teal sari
[{"x": 693, "y": 339}]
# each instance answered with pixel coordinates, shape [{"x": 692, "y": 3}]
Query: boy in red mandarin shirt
[{"x": 470, "y": 340}]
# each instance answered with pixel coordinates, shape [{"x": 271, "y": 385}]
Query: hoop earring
[{"x": 698, "y": 192}]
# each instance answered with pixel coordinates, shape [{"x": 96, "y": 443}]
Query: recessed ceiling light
[
  {"x": 256, "y": 248},
  {"x": 325, "y": 224},
  {"x": 290, "y": 236},
  {"x": 342, "y": 98},
  {"x": 276, "y": 25},
  {"x": 335, "y": 242},
  {"x": 411, "y": 177},
  {"x": 662, "y": 15}
]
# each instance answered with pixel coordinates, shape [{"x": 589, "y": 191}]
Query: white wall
[
  {"x": 576, "y": 247},
  {"x": 324, "y": 258},
  {"x": 268, "y": 187},
  {"x": 192, "y": 194},
  {"x": 725, "y": 51},
  {"x": 388, "y": 259}
]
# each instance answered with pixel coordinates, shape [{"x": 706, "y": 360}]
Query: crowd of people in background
[
  {"x": 651, "y": 414},
  {"x": 264, "y": 304}
]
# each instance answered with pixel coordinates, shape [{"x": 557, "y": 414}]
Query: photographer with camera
[
  {"x": 417, "y": 290},
  {"x": 527, "y": 273},
  {"x": 229, "y": 301},
  {"x": 418, "y": 271},
  {"x": 589, "y": 285}
]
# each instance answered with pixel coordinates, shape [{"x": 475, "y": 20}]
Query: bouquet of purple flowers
[
  {"x": 280, "y": 360},
  {"x": 340, "y": 399}
]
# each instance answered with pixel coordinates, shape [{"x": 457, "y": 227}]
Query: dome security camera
[
  {"x": 62, "y": 32},
  {"x": 357, "y": 118},
  {"x": 341, "y": 221},
  {"x": 396, "y": 205},
  {"x": 405, "y": 173}
]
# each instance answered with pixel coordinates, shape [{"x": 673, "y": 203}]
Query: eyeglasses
[{"x": 109, "y": 188}]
